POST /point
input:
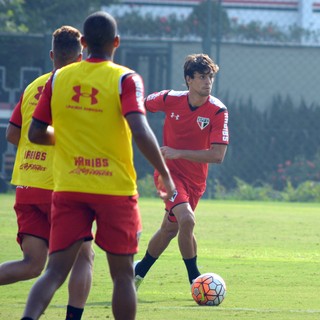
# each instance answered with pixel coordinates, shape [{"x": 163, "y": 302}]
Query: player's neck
[
  {"x": 101, "y": 56},
  {"x": 196, "y": 100}
]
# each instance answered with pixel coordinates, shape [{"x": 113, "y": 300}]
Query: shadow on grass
[
  {"x": 88, "y": 304},
  {"x": 182, "y": 302}
]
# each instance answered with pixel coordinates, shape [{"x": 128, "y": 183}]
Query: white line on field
[
  {"x": 221, "y": 309},
  {"x": 245, "y": 309}
]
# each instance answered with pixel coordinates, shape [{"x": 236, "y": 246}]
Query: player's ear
[
  {"x": 80, "y": 57},
  {"x": 83, "y": 41},
  {"x": 116, "y": 41},
  {"x": 51, "y": 55}
]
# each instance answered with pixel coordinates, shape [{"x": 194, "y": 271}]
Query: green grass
[{"x": 268, "y": 254}]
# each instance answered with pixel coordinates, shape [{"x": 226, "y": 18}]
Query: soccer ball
[{"x": 209, "y": 289}]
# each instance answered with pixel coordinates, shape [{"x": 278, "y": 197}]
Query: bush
[
  {"x": 296, "y": 172},
  {"x": 308, "y": 191},
  {"x": 245, "y": 191},
  {"x": 146, "y": 187},
  {"x": 133, "y": 23}
]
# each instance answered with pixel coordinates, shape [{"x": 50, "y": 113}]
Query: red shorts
[
  {"x": 118, "y": 222},
  {"x": 34, "y": 220},
  {"x": 31, "y": 195},
  {"x": 185, "y": 193}
]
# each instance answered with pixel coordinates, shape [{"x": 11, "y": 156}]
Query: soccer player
[
  {"x": 195, "y": 133},
  {"x": 95, "y": 106},
  {"x": 33, "y": 176}
]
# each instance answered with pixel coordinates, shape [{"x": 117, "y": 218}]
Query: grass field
[{"x": 268, "y": 254}]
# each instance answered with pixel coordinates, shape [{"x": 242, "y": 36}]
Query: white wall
[{"x": 284, "y": 13}]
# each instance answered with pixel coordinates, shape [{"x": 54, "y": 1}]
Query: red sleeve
[
  {"x": 132, "y": 94},
  {"x": 220, "y": 131},
  {"x": 16, "y": 117},
  {"x": 156, "y": 101},
  {"x": 42, "y": 111}
]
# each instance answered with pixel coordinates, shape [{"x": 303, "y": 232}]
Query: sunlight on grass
[{"x": 268, "y": 254}]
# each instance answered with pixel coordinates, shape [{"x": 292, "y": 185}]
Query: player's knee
[
  {"x": 187, "y": 222},
  {"x": 171, "y": 234},
  {"x": 56, "y": 276},
  {"x": 33, "y": 270},
  {"x": 170, "y": 230},
  {"x": 33, "y": 266},
  {"x": 121, "y": 272}
]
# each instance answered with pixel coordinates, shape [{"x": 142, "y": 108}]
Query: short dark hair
[
  {"x": 201, "y": 63},
  {"x": 99, "y": 29},
  {"x": 66, "y": 44}
]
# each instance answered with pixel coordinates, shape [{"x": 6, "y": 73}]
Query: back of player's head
[
  {"x": 66, "y": 44},
  {"x": 200, "y": 63},
  {"x": 100, "y": 29}
]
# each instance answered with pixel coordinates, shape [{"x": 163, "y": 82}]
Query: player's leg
[
  {"x": 80, "y": 281},
  {"x": 71, "y": 223},
  {"x": 162, "y": 238},
  {"x": 186, "y": 221},
  {"x": 186, "y": 239},
  {"x": 168, "y": 229},
  {"x": 156, "y": 246},
  {"x": 119, "y": 219},
  {"x": 124, "y": 299},
  {"x": 35, "y": 252},
  {"x": 58, "y": 268},
  {"x": 33, "y": 236}
]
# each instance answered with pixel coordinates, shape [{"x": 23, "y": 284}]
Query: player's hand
[
  {"x": 169, "y": 153},
  {"x": 165, "y": 187}
]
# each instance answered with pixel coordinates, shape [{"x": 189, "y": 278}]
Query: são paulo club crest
[{"x": 203, "y": 122}]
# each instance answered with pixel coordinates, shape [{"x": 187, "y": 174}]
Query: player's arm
[
  {"x": 40, "y": 130},
  {"x": 13, "y": 131},
  {"x": 156, "y": 101},
  {"x": 41, "y": 133},
  {"x": 148, "y": 145},
  {"x": 215, "y": 154},
  {"x": 134, "y": 112},
  {"x": 13, "y": 134},
  {"x": 146, "y": 141},
  {"x": 219, "y": 137}
]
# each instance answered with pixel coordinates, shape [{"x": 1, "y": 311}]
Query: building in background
[{"x": 303, "y": 14}]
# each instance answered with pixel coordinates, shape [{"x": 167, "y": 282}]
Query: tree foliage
[
  {"x": 10, "y": 10},
  {"x": 274, "y": 146},
  {"x": 42, "y": 16},
  {"x": 134, "y": 22},
  {"x": 198, "y": 19}
]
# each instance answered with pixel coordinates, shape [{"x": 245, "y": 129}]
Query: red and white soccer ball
[{"x": 209, "y": 289}]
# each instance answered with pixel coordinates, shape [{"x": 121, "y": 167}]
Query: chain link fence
[{"x": 269, "y": 79}]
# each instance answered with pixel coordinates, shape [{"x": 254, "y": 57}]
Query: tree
[
  {"x": 44, "y": 16},
  {"x": 198, "y": 19},
  {"x": 10, "y": 10}
]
